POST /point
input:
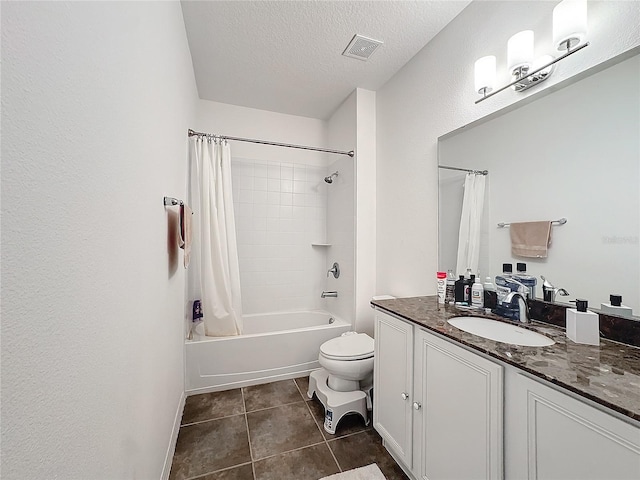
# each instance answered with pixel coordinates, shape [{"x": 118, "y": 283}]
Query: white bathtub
[{"x": 275, "y": 346}]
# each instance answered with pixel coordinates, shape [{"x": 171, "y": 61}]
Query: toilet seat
[{"x": 359, "y": 346}]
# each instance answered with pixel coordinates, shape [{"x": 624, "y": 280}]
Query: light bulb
[
  {"x": 485, "y": 74},
  {"x": 520, "y": 50},
  {"x": 569, "y": 23}
]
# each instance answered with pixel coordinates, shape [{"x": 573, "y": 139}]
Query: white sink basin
[{"x": 500, "y": 331}]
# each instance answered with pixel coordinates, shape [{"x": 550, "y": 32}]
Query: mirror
[{"x": 572, "y": 152}]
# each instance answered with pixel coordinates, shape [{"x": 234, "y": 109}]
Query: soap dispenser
[
  {"x": 615, "y": 307},
  {"x": 583, "y": 326}
]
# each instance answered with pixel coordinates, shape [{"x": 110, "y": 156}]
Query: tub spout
[{"x": 329, "y": 294}]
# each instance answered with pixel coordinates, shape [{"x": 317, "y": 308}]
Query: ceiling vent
[{"x": 361, "y": 47}]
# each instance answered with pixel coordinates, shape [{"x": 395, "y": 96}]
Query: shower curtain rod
[
  {"x": 193, "y": 133},
  {"x": 478, "y": 172}
]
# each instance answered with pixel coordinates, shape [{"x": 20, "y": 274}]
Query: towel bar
[{"x": 561, "y": 221}]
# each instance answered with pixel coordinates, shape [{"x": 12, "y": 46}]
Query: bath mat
[{"x": 370, "y": 472}]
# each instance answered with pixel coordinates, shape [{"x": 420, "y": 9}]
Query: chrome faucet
[
  {"x": 523, "y": 306},
  {"x": 329, "y": 294},
  {"x": 549, "y": 292},
  {"x": 335, "y": 270}
]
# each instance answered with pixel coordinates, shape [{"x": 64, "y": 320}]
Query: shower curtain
[
  {"x": 470, "y": 224},
  {"x": 214, "y": 275}
]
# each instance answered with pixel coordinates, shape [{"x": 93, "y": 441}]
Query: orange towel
[
  {"x": 530, "y": 239},
  {"x": 185, "y": 233}
]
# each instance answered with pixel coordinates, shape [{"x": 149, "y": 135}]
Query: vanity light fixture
[{"x": 569, "y": 33}]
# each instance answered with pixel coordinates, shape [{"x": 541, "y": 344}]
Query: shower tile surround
[
  {"x": 280, "y": 209},
  {"x": 271, "y": 431}
]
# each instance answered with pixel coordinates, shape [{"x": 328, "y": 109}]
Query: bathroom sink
[{"x": 500, "y": 331}]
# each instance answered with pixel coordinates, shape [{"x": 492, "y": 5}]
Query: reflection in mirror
[{"x": 573, "y": 153}]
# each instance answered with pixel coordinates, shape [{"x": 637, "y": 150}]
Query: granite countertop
[{"x": 608, "y": 374}]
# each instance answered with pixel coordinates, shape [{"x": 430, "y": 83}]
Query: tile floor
[{"x": 271, "y": 432}]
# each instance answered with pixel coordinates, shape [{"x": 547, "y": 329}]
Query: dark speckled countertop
[{"x": 608, "y": 374}]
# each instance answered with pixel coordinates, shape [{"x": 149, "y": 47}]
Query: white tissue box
[{"x": 583, "y": 327}]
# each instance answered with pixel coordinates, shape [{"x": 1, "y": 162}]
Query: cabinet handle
[
  {"x": 416, "y": 406},
  {"x": 404, "y": 395}
]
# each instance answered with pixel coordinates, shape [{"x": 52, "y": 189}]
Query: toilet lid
[{"x": 353, "y": 347}]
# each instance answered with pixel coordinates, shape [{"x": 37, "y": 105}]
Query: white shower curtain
[
  {"x": 470, "y": 224},
  {"x": 213, "y": 276}
]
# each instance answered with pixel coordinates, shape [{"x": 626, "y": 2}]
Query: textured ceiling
[{"x": 286, "y": 56}]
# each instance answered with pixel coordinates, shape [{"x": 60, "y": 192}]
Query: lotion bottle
[
  {"x": 615, "y": 307},
  {"x": 583, "y": 326},
  {"x": 477, "y": 294}
]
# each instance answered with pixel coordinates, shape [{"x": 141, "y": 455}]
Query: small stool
[{"x": 336, "y": 404}]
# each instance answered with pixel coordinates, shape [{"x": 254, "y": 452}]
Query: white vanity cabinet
[
  {"x": 446, "y": 412},
  {"x": 393, "y": 381},
  {"x": 435, "y": 403},
  {"x": 457, "y": 412},
  {"x": 552, "y": 435}
]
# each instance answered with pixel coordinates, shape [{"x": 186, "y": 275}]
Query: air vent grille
[{"x": 361, "y": 47}]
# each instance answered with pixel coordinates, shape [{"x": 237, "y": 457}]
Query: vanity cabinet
[
  {"x": 457, "y": 422},
  {"x": 435, "y": 402},
  {"x": 446, "y": 412},
  {"x": 393, "y": 382},
  {"x": 552, "y": 435}
]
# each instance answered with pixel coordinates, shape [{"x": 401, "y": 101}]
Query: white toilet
[{"x": 345, "y": 382}]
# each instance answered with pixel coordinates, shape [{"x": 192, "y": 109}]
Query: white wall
[
  {"x": 341, "y": 207},
  {"x": 235, "y": 121},
  {"x": 365, "y": 250},
  {"x": 96, "y": 100},
  {"x": 433, "y": 94}
]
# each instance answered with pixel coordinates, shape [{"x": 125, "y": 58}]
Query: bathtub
[{"x": 274, "y": 346}]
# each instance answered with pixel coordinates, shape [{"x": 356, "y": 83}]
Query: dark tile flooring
[{"x": 271, "y": 432}]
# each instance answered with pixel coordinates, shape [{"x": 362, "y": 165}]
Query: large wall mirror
[{"x": 570, "y": 153}]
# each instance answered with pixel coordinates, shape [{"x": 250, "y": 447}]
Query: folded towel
[
  {"x": 530, "y": 239},
  {"x": 185, "y": 233}
]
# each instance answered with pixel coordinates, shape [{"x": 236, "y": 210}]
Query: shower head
[{"x": 329, "y": 179}]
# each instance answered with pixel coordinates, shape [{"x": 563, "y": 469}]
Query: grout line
[
  {"x": 323, "y": 435},
  {"x": 293, "y": 450},
  {"x": 348, "y": 435},
  {"x": 274, "y": 406},
  {"x": 218, "y": 471},
  {"x": 212, "y": 419},
  {"x": 246, "y": 421}
]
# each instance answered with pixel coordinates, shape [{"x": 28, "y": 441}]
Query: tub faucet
[
  {"x": 523, "y": 306},
  {"x": 329, "y": 294}
]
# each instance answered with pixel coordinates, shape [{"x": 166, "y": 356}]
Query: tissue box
[{"x": 583, "y": 327}]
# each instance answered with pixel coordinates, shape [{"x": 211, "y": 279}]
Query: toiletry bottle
[
  {"x": 450, "y": 292},
  {"x": 477, "y": 294},
  {"x": 528, "y": 281},
  {"x": 507, "y": 269},
  {"x": 468, "y": 283},
  {"x": 441, "y": 278},
  {"x": 504, "y": 286},
  {"x": 490, "y": 296},
  {"x": 459, "y": 291},
  {"x": 615, "y": 307},
  {"x": 583, "y": 326}
]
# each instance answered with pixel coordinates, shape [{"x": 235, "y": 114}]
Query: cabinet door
[
  {"x": 393, "y": 370},
  {"x": 458, "y": 414},
  {"x": 551, "y": 435}
]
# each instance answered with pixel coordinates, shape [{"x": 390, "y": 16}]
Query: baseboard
[
  {"x": 166, "y": 470},
  {"x": 406, "y": 470},
  {"x": 250, "y": 382}
]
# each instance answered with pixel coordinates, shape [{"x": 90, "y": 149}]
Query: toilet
[{"x": 345, "y": 382}]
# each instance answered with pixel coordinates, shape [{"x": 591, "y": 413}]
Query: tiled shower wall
[{"x": 280, "y": 210}]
